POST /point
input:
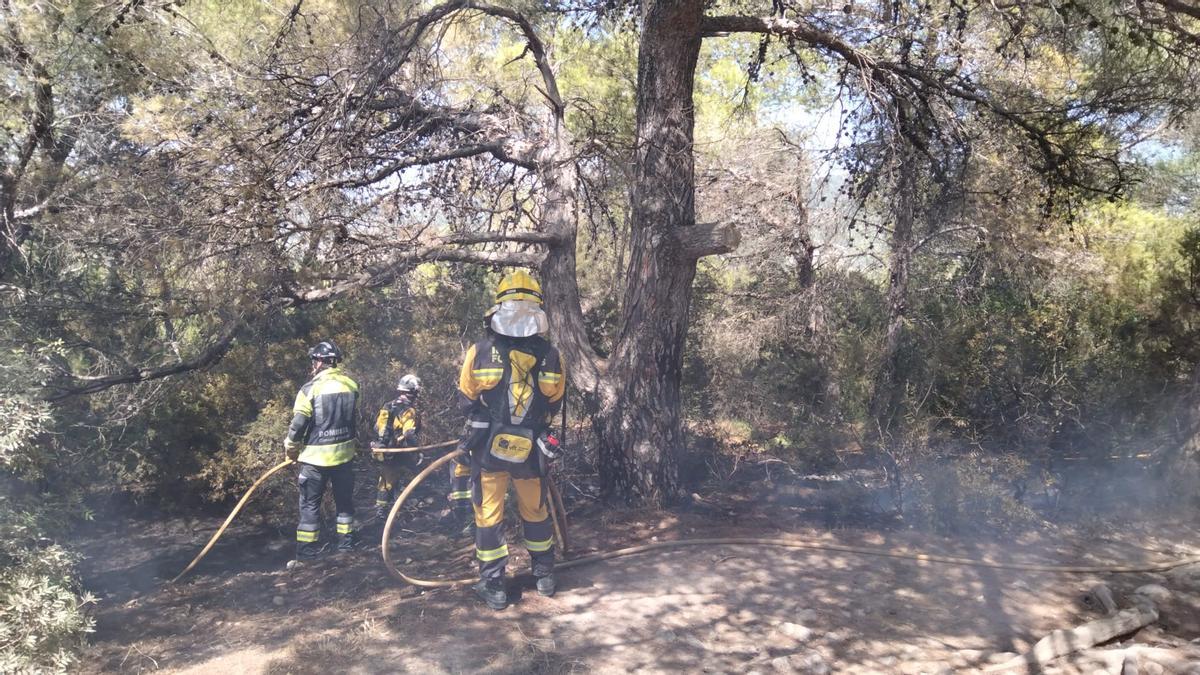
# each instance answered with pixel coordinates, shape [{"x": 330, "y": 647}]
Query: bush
[
  {"x": 42, "y": 609},
  {"x": 43, "y": 618},
  {"x": 968, "y": 493},
  {"x": 228, "y": 473}
]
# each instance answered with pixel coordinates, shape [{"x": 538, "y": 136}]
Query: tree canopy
[{"x": 825, "y": 222}]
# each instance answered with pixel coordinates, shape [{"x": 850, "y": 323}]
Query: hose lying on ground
[
  {"x": 559, "y": 517},
  {"x": 270, "y": 472},
  {"x": 435, "y": 446},
  {"x": 232, "y": 514},
  {"x": 747, "y": 541}
]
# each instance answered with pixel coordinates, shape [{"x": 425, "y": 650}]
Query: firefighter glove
[
  {"x": 548, "y": 445},
  {"x": 291, "y": 449}
]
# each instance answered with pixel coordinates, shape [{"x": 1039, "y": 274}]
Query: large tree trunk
[
  {"x": 561, "y": 291},
  {"x": 639, "y": 429}
]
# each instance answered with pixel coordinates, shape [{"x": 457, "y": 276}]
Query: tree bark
[
  {"x": 639, "y": 429},
  {"x": 889, "y": 383},
  {"x": 559, "y": 200},
  {"x": 889, "y": 379}
]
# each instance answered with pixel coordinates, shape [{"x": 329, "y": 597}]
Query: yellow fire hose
[
  {"x": 232, "y": 514},
  {"x": 558, "y": 515},
  {"x": 435, "y": 446},
  {"x": 746, "y": 541},
  {"x": 270, "y": 472}
]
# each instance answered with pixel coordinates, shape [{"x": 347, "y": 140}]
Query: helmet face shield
[{"x": 519, "y": 318}]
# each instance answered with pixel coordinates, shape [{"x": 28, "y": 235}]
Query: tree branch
[
  {"x": 208, "y": 356},
  {"x": 705, "y": 239},
  {"x": 385, "y": 274},
  {"x": 495, "y": 149},
  {"x": 1181, "y": 7},
  {"x": 536, "y": 48},
  {"x": 519, "y": 237},
  {"x": 878, "y": 71}
]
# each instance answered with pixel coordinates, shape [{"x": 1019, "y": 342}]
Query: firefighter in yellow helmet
[
  {"x": 511, "y": 384},
  {"x": 322, "y": 439},
  {"x": 397, "y": 426}
]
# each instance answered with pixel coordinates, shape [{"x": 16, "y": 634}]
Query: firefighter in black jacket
[
  {"x": 322, "y": 438},
  {"x": 397, "y": 426},
  {"x": 511, "y": 384}
]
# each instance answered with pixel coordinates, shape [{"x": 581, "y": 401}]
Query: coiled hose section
[{"x": 262, "y": 479}]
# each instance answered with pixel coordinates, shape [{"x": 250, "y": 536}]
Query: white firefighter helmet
[{"x": 410, "y": 383}]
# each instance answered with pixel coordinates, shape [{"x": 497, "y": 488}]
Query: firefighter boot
[
  {"x": 492, "y": 592},
  {"x": 546, "y": 585},
  {"x": 464, "y": 522},
  {"x": 347, "y": 538}
]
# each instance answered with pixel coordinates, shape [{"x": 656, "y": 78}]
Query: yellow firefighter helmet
[{"x": 519, "y": 285}]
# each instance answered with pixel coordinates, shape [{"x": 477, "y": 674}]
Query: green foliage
[
  {"x": 255, "y": 449},
  {"x": 43, "y": 621},
  {"x": 26, "y": 417},
  {"x": 212, "y": 434}
]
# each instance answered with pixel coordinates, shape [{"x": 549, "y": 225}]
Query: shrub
[
  {"x": 975, "y": 491},
  {"x": 43, "y": 618}
]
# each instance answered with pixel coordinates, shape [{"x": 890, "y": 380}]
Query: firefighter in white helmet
[{"x": 398, "y": 425}]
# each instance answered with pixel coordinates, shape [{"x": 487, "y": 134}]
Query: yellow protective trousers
[
  {"x": 490, "y": 546},
  {"x": 389, "y": 478}
]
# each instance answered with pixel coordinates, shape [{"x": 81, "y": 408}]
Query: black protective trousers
[{"x": 312, "y": 482}]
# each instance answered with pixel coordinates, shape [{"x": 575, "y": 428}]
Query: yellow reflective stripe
[
  {"x": 407, "y": 421},
  {"x": 539, "y": 546},
  {"x": 491, "y": 554},
  {"x": 461, "y": 494},
  {"x": 306, "y": 536},
  {"x": 550, "y": 378},
  {"x": 488, "y": 377},
  {"x": 345, "y": 528},
  {"x": 328, "y": 455},
  {"x": 381, "y": 502}
]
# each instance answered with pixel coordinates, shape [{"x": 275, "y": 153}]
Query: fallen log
[
  {"x": 1068, "y": 641},
  {"x": 1101, "y": 597},
  {"x": 1136, "y": 658}
]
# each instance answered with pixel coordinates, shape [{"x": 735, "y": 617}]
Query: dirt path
[{"x": 723, "y": 609}]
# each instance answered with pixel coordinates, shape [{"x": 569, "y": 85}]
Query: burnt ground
[{"x": 717, "y": 609}]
